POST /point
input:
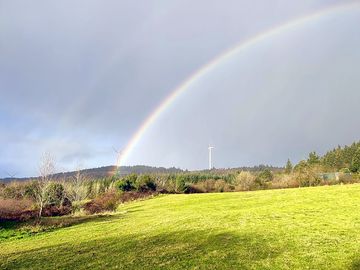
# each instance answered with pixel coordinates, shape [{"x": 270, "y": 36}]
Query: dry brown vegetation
[{"x": 15, "y": 209}]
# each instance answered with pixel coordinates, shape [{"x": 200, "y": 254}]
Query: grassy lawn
[{"x": 307, "y": 228}]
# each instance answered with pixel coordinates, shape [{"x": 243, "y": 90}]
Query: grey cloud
[{"x": 89, "y": 72}]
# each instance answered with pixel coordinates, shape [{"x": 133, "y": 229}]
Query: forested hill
[{"x": 106, "y": 171}]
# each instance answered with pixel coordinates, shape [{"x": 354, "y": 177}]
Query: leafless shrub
[
  {"x": 46, "y": 171},
  {"x": 210, "y": 185},
  {"x": 244, "y": 181},
  {"x": 76, "y": 188},
  {"x": 284, "y": 181}
]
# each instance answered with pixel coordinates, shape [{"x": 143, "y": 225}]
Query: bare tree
[
  {"x": 76, "y": 189},
  {"x": 46, "y": 172}
]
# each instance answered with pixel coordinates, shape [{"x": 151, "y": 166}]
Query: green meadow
[{"x": 303, "y": 228}]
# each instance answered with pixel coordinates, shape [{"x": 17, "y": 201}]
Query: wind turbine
[
  {"x": 210, "y": 160},
  {"x": 11, "y": 175},
  {"x": 118, "y": 156}
]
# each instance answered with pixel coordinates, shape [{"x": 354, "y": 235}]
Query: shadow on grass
[
  {"x": 17, "y": 230},
  {"x": 177, "y": 250},
  {"x": 355, "y": 265},
  {"x": 65, "y": 221},
  {"x": 132, "y": 209}
]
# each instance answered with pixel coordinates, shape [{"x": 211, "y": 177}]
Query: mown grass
[
  {"x": 18, "y": 230},
  {"x": 307, "y": 228}
]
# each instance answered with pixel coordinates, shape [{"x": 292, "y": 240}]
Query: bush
[
  {"x": 144, "y": 183},
  {"x": 54, "y": 211},
  {"x": 180, "y": 183},
  {"x": 209, "y": 185},
  {"x": 307, "y": 176},
  {"x": 221, "y": 186},
  {"x": 126, "y": 184},
  {"x": 132, "y": 196},
  {"x": 30, "y": 190},
  {"x": 284, "y": 181},
  {"x": 61, "y": 209},
  {"x": 244, "y": 181},
  {"x": 18, "y": 210},
  {"x": 55, "y": 194},
  {"x": 105, "y": 202},
  {"x": 346, "y": 178},
  {"x": 13, "y": 190},
  {"x": 345, "y": 170},
  {"x": 264, "y": 178},
  {"x": 192, "y": 188}
]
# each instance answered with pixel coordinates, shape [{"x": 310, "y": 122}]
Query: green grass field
[{"x": 307, "y": 228}]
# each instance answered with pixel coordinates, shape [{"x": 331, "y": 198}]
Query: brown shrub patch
[
  {"x": 54, "y": 211},
  {"x": 106, "y": 202},
  {"x": 19, "y": 210},
  {"x": 132, "y": 196}
]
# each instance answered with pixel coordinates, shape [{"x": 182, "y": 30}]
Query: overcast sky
[{"x": 77, "y": 79}]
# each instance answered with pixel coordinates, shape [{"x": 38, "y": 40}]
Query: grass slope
[{"x": 308, "y": 228}]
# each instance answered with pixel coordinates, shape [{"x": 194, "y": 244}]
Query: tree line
[
  {"x": 49, "y": 195},
  {"x": 340, "y": 159}
]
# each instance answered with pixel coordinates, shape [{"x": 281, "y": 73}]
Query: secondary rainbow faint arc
[{"x": 217, "y": 60}]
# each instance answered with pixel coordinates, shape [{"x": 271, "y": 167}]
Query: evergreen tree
[
  {"x": 288, "y": 167},
  {"x": 313, "y": 158},
  {"x": 355, "y": 164}
]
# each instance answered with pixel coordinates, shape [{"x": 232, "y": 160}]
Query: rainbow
[{"x": 198, "y": 74}]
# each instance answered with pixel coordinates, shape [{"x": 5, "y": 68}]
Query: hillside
[
  {"x": 303, "y": 228},
  {"x": 105, "y": 171}
]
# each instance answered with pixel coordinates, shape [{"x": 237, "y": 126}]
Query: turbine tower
[
  {"x": 118, "y": 157},
  {"x": 210, "y": 160}
]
